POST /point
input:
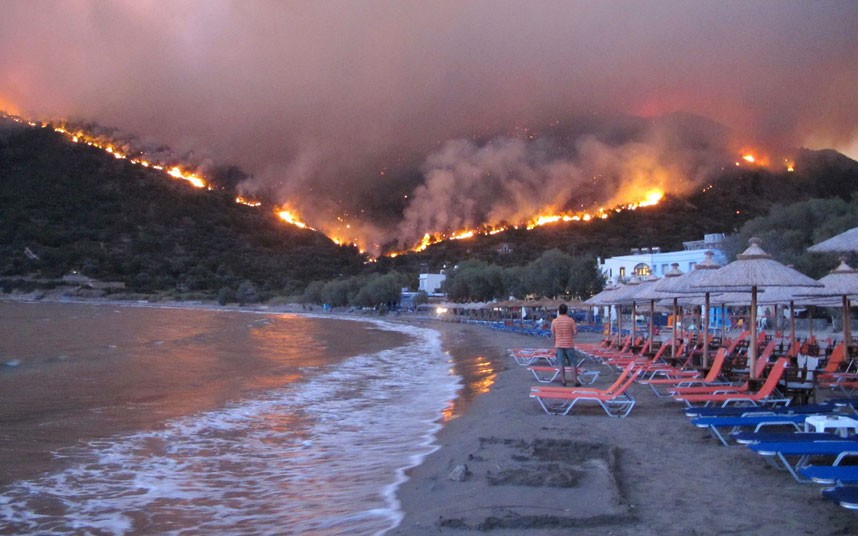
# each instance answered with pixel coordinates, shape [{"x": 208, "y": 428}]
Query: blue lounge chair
[
  {"x": 735, "y": 411},
  {"x": 831, "y": 474},
  {"x": 746, "y": 438},
  {"x": 845, "y": 496},
  {"x": 776, "y": 453},
  {"x": 714, "y": 424}
]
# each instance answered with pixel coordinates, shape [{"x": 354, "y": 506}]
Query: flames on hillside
[{"x": 288, "y": 214}]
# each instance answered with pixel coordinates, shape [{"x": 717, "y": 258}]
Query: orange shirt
[{"x": 564, "y": 329}]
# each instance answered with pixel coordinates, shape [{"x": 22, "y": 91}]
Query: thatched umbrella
[
  {"x": 603, "y": 299},
  {"x": 686, "y": 284},
  {"x": 756, "y": 269},
  {"x": 845, "y": 242},
  {"x": 667, "y": 285},
  {"x": 623, "y": 296},
  {"x": 641, "y": 292},
  {"x": 841, "y": 282},
  {"x": 773, "y": 296}
]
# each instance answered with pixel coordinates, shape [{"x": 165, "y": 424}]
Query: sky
[{"x": 402, "y": 117}]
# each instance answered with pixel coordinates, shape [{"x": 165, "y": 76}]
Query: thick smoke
[
  {"x": 511, "y": 180},
  {"x": 331, "y": 105}
]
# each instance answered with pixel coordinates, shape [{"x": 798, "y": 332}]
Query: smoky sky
[{"x": 450, "y": 111}]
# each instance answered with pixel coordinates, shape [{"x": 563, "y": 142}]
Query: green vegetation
[
  {"x": 788, "y": 230},
  {"x": 553, "y": 274},
  {"x": 69, "y": 208}
]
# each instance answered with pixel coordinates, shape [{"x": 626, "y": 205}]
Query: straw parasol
[
  {"x": 639, "y": 293},
  {"x": 841, "y": 282},
  {"x": 664, "y": 287},
  {"x": 625, "y": 295},
  {"x": 756, "y": 269},
  {"x": 605, "y": 298},
  {"x": 846, "y": 241},
  {"x": 685, "y": 284}
]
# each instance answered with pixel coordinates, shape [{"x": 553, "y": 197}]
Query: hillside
[{"x": 66, "y": 207}]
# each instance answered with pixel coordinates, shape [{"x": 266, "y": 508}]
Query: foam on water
[{"x": 324, "y": 456}]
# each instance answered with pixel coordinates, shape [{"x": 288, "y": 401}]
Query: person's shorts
[{"x": 565, "y": 356}]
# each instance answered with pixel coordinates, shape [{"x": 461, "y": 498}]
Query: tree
[
  {"x": 549, "y": 274},
  {"x": 246, "y": 293},
  {"x": 585, "y": 279}
]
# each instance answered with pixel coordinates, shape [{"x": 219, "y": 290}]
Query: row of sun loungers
[{"x": 761, "y": 420}]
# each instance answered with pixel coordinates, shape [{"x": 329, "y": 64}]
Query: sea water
[{"x": 304, "y": 443}]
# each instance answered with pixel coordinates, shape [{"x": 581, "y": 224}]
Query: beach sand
[{"x": 650, "y": 473}]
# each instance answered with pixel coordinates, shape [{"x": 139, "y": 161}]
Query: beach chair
[
  {"x": 766, "y": 395},
  {"x": 736, "y": 411},
  {"x": 719, "y": 387},
  {"x": 778, "y": 454},
  {"x": 548, "y": 373},
  {"x": 615, "y": 401},
  {"x": 711, "y": 377},
  {"x": 620, "y": 361},
  {"x": 758, "y": 422},
  {"x": 658, "y": 367},
  {"x": 747, "y": 438},
  {"x": 529, "y": 356},
  {"x": 601, "y": 354},
  {"x": 845, "y": 496},
  {"x": 834, "y": 473}
]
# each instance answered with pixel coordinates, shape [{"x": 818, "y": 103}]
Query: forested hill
[{"x": 66, "y": 206}]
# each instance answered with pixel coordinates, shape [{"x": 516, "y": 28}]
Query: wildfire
[
  {"x": 653, "y": 197},
  {"x": 755, "y": 158},
  {"x": 195, "y": 180},
  {"x": 290, "y": 217},
  {"x": 248, "y": 202}
]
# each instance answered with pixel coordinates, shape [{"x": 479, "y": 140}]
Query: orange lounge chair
[
  {"x": 529, "y": 356},
  {"x": 711, "y": 377},
  {"x": 616, "y": 401},
  {"x": 766, "y": 394},
  {"x": 548, "y": 373},
  {"x": 762, "y": 363}
]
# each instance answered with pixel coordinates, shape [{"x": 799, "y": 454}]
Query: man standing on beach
[{"x": 563, "y": 331}]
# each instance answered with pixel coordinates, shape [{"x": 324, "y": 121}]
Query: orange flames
[
  {"x": 651, "y": 198},
  {"x": 753, "y": 157},
  {"x": 291, "y": 217},
  {"x": 287, "y": 214}
]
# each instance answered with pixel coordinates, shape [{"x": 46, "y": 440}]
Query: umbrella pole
[
  {"x": 706, "y": 332},
  {"x": 792, "y": 329},
  {"x": 634, "y": 321},
  {"x": 847, "y": 332},
  {"x": 673, "y": 331},
  {"x": 651, "y": 324},
  {"x": 810, "y": 325},
  {"x": 752, "y": 348}
]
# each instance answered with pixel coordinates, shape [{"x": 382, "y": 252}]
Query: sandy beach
[{"x": 650, "y": 473}]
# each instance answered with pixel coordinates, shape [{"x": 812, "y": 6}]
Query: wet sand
[{"x": 650, "y": 473}]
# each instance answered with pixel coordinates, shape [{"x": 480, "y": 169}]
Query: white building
[
  {"x": 651, "y": 260},
  {"x": 431, "y": 283}
]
